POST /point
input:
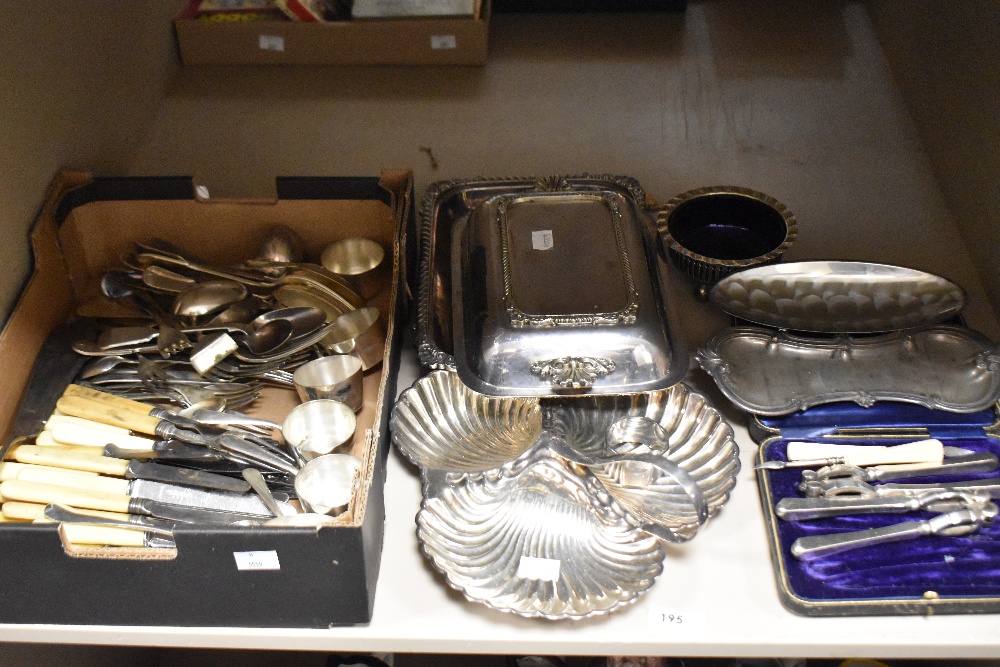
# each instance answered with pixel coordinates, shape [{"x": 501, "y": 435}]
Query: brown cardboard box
[
  {"x": 398, "y": 41},
  {"x": 325, "y": 576}
]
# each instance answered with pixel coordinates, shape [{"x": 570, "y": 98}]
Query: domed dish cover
[
  {"x": 713, "y": 231},
  {"x": 532, "y": 539},
  {"x": 440, "y": 424},
  {"x": 838, "y": 297},
  {"x": 562, "y": 293}
]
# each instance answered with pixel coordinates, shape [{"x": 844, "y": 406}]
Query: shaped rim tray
[
  {"x": 448, "y": 203},
  {"x": 838, "y": 297},
  {"x": 774, "y": 373}
]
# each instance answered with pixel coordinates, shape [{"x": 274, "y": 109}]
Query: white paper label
[
  {"x": 546, "y": 569},
  {"x": 256, "y": 560},
  {"x": 542, "y": 239},
  {"x": 271, "y": 43},
  {"x": 671, "y": 617},
  {"x": 439, "y": 42}
]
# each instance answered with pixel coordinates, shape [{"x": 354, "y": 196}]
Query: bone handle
[
  {"x": 921, "y": 451},
  {"x": 76, "y": 406}
]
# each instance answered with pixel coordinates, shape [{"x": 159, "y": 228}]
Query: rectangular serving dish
[
  {"x": 317, "y": 577},
  {"x": 446, "y": 206},
  {"x": 561, "y": 292},
  {"x": 928, "y": 575}
]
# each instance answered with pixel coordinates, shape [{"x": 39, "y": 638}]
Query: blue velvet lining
[{"x": 961, "y": 567}]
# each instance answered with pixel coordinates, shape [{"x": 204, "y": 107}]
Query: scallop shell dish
[{"x": 558, "y": 508}]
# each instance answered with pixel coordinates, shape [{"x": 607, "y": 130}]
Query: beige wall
[
  {"x": 80, "y": 82},
  {"x": 946, "y": 58}
]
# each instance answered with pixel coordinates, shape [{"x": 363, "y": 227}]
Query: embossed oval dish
[
  {"x": 562, "y": 293},
  {"x": 838, "y": 297},
  {"x": 533, "y": 540},
  {"x": 772, "y": 373}
]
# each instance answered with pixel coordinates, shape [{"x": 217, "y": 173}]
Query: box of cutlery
[
  {"x": 148, "y": 477},
  {"x": 882, "y": 510}
]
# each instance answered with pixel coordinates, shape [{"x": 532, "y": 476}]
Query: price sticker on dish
[
  {"x": 542, "y": 239},
  {"x": 545, "y": 569},
  {"x": 256, "y": 560},
  {"x": 660, "y": 616}
]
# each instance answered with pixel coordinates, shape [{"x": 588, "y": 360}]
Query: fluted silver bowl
[
  {"x": 531, "y": 538},
  {"x": 440, "y": 424},
  {"x": 700, "y": 442}
]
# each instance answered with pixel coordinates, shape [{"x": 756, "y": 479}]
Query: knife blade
[
  {"x": 132, "y": 469},
  {"x": 50, "y": 494}
]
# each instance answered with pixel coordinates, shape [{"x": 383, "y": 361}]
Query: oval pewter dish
[
  {"x": 535, "y": 541},
  {"x": 773, "y": 373},
  {"x": 838, "y": 297}
]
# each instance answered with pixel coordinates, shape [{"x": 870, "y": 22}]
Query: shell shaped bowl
[
  {"x": 532, "y": 540},
  {"x": 700, "y": 441},
  {"x": 440, "y": 424}
]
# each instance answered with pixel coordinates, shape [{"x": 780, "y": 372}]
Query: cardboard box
[
  {"x": 395, "y": 41},
  {"x": 324, "y": 576}
]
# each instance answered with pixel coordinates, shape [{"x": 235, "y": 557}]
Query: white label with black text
[
  {"x": 546, "y": 569},
  {"x": 271, "y": 43},
  {"x": 671, "y": 617},
  {"x": 542, "y": 239},
  {"x": 439, "y": 42},
  {"x": 256, "y": 560}
]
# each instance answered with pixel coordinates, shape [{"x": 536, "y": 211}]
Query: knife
[
  {"x": 64, "y": 514},
  {"x": 48, "y": 494},
  {"x": 123, "y": 403},
  {"x": 130, "y": 469},
  {"x": 78, "y": 406},
  {"x": 172, "y": 450}
]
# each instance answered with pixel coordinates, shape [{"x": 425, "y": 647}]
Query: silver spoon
[{"x": 206, "y": 298}]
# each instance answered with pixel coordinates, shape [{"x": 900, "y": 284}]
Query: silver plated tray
[
  {"x": 562, "y": 293},
  {"x": 531, "y": 539},
  {"x": 449, "y": 203},
  {"x": 771, "y": 373},
  {"x": 838, "y": 297}
]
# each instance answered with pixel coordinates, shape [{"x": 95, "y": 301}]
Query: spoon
[
  {"x": 166, "y": 280},
  {"x": 206, "y": 298},
  {"x": 303, "y": 319},
  {"x": 283, "y": 244}
]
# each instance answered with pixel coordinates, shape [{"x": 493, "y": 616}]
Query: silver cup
[
  {"x": 319, "y": 427},
  {"x": 339, "y": 377},
  {"x": 358, "y": 332},
  {"x": 359, "y": 261},
  {"x": 326, "y": 484}
]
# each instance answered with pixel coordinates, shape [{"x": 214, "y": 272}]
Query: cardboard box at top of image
[
  {"x": 446, "y": 40},
  {"x": 310, "y": 577}
]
